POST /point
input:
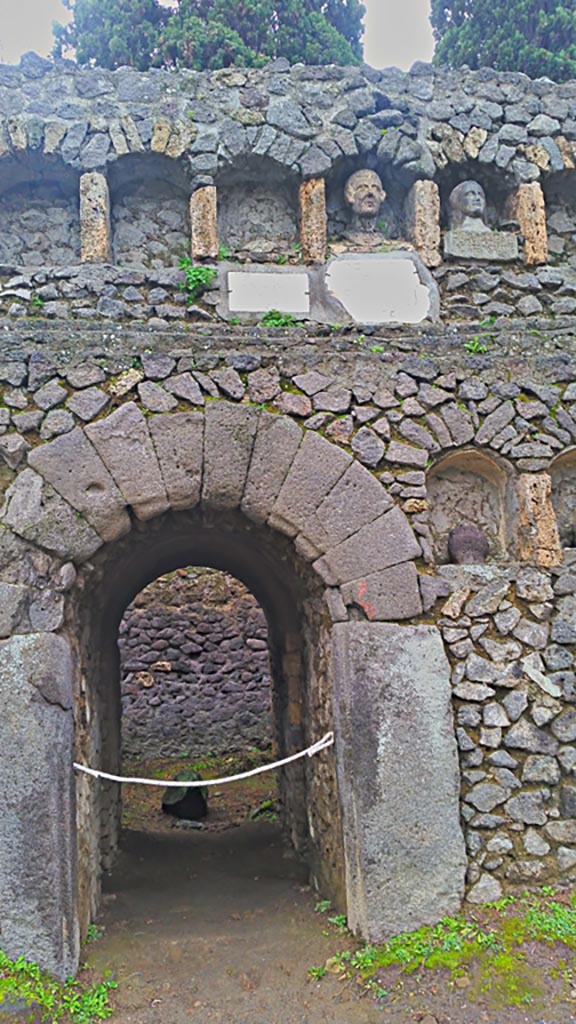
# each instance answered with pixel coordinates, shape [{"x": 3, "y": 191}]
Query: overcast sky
[{"x": 397, "y": 31}]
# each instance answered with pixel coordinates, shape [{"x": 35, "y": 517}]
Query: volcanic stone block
[
  {"x": 36, "y": 512},
  {"x": 387, "y": 596},
  {"x": 317, "y": 467},
  {"x": 76, "y": 471},
  {"x": 203, "y": 218},
  {"x": 398, "y": 777},
  {"x": 37, "y": 858},
  {"x": 95, "y": 218},
  {"x": 387, "y": 541},
  {"x": 423, "y": 221},
  {"x": 313, "y": 222},
  {"x": 277, "y": 441},
  {"x": 123, "y": 443},
  {"x": 178, "y": 440},
  {"x": 229, "y": 433}
]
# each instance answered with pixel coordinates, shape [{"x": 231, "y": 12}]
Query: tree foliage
[
  {"x": 534, "y": 36},
  {"x": 209, "y": 34}
]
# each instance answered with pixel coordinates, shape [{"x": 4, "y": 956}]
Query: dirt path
[{"x": 219, "y": 927}]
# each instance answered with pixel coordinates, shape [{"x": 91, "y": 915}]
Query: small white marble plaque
[
  {"x": 379, "y": 288},
  {"x": 257, "y": 292}
]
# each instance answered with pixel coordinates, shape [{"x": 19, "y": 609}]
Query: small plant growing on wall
[
  {"x": 273, "y": 318},
  {"x": 197, "y": 279}
]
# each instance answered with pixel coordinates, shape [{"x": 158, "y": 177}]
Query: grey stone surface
[
  {"x": 229, "y": 433},
  {"x": 75, "y": 470},
  {"x": 355, "y": 500},
  {"x": 387, "y": 541},
  {"x": 387, "y": 596},
  {"x": 317, "y": 467},
  {"x": 123, "y": 443},
  {"x": 178, "y": 440},
  {"x": 282, "y": 437},
  {"x": 35, "y": 511},
  {"x": 37, "y": 849}
]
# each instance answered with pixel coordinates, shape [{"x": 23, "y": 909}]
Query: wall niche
[
  {"x": 150, "y": 212},
  {"x": 39, "y": 213},
  {"x": 560, "y": 193},
  {"x": 469, "y": 489},
  {"x": 563, "y": 475},
  {"x": 258, "y": 210}
]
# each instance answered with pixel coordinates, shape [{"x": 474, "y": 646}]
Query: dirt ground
[{"x": 218, "y": 925}]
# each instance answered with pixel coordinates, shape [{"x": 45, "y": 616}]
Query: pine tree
[{"x": 534, "y": 36}]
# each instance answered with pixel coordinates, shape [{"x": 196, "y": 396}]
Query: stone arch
[
  {"x": 39, "y": 211},
  {"x": 149, "y": 208},
  {"x": 470, "y": 486},
  {"x": 563, "y": 477},
  {"x": 102, "y": 510},
  {"x": 257, "y": 206}
]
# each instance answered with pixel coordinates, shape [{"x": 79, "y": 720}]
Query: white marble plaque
[
  {"x": 258, "y": 292},
  {"x": 379, "y": 288}
]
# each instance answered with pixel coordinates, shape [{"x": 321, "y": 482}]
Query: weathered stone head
[
  {"x": 467, "y": 545},
  {"x": 468, "y": 207},
  {"x": 364, "y": 194}
]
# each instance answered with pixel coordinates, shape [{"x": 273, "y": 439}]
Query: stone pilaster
[
  {"x": 423, "y": 221},
  {"x": 527, "y": 207},
  {"x": 313, "y": 220},
  {"x": 537, "y": 537},
  {"x": 95, "y": 218},
  {"x": 204, "y": 221}
]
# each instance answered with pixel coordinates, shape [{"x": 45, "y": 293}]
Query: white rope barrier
[{"x": 323, "y": 744}]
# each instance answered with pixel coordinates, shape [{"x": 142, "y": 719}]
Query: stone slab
[
  {"x": 378, "y": 288},
  {"x": 75, "y": 470},
  {"x": 398, "y": 777},
  {"x": 178, "y": 440},
  {"x": 123, "y": 443},
  {"x": 387, "y": 541},
  {"x": 229, "y": 433},
  {"x": 258, "y": 291},
  {"x": 387, "y": 596},
  {"x": 277, "y": 441},
  {"x": 37, "y": 823},
  {"x": 318, "y": 465},
  {"x": 34, "y": 511},
  {"x": 484, "y": 245}
]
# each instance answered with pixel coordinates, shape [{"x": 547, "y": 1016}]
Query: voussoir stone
[
  {"x": 229, "y": 432},
  {"x": 178, "y": 439},
  {"x": 123, "y": 442},
  {"x": 355, "y": 500},
  {"x": 317, "y": 467},
  {"x": 387, "y": 541},
  {"x": 266, "y": 475},
  {"x": 74, "y": 468},
  {"x": 386, "y": 596},
  {"x": 36, "y": 512}
]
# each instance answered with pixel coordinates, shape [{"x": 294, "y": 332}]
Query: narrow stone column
[
  {"x": 423, "y": 221},
  {"x": 204, "y": 221},
  {"x": 537, "y": 539},
  {"x": 398, "y": 777},
  {"x": 95, "y": 218},
  {"x": 528, "y": 208},
  {"x": 313, "y": 220}
]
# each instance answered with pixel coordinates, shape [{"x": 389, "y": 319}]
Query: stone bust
[
  {"x": 468, "y": 208},
  {"x": 364, "y": 195}
]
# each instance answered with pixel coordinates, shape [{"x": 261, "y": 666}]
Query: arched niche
[
  {"x": 39, "y": 212},
  {"x": 563, "y": 476},
  {"x": 497, "y": 184},
  {"x": 150, "y": 214},
  {"x": 469, "y": 487},
  {"x": 258, "y": 208},
  {"x": 560, "y": 195},
  {"x": 397, "y": 183}
]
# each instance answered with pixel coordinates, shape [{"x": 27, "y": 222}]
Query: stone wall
[{"x": 195, "y": 668}]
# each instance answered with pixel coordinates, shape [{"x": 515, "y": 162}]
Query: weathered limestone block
[
  {"x": 37, "y": 848},
  {"x": 204, "y": 222},
  {"x": 160, "y": 135},
  {"x": 387, "y": 541},
  {"x": 178, "y": 440},
  {"x": 387, "y": 596},
  {"x": 123, "y": 443},
  {"x": 229, "y": 433},
  {"x": 95, "y": 218},
  {"x": 528, "y": 208},
  {"x": 313, "y": 221},
  {"x": 399, "y": 786},
  {"x": 76, "y": 471},
  {"x": 281, "y": 436},
  {"x": 317, "y": 467},
  {"x": 423, "y": 221},
  {"x": 537, "y": 537},
  {"x": 34, "y": 510}
]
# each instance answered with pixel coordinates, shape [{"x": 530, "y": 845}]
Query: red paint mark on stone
[{"x": 367, "y": 606}]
